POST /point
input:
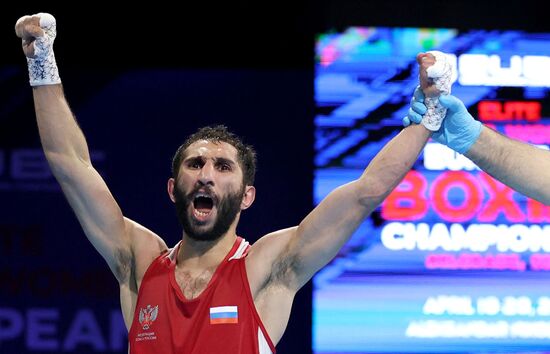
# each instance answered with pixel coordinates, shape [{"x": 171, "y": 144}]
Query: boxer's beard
[{"x": 227, "y": 210}]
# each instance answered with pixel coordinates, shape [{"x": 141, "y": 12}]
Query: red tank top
[{"x": 222, "y": 319}]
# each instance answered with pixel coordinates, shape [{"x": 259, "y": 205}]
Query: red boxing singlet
[{"x": 222, "y": 319}]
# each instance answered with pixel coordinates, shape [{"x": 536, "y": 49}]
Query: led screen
[{"x": 452, "y": 261}]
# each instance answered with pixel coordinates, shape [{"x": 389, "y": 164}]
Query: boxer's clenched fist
[
  {"x": 436, "y": 74},
  {"x": 425, "y": 61},
  {"x": 38, "y": 33}
]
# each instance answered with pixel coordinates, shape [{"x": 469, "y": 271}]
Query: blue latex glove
[
  {"x": 417, "y": 109},
  {"x": 459, "y": 130}
]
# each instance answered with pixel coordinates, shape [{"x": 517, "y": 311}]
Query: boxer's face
[{"x": 209, "y": 193}]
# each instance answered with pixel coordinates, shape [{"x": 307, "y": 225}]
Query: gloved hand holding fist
[
  {"x": 459, "y": 130},
  {"x": 437, "y": 110}
]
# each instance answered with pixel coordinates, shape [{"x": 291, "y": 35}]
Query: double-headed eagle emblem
[{"x": 148, "y": 315}]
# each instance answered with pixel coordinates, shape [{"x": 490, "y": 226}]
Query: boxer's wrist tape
[
  {"x": 43, "y": 68},
  {"x": 441, "y": 72},
  {"x": 435, "y": 113}
]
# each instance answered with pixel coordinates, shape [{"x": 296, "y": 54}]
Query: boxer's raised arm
[{"x": 67, "y": 151}]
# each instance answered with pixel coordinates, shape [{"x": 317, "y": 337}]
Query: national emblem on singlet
[{"x": 147, "y": 316}]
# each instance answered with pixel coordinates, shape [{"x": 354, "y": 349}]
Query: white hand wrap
[
  {"x": 441, "y": 72},
  {"x": 43, "y": 68}
]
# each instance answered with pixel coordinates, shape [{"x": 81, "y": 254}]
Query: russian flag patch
[{"x": 224, "y": 314}]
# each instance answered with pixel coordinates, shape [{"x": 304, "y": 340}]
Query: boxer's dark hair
[{"x": 246, "y": 155}]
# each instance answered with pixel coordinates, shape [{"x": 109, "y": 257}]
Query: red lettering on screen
[
  {"x": 537, "y": 212},
  {"x": 500, "y": 201},
  {"x": 407, "y": 201},
  {"x": 461, "y": 210},
  {"x": 529, "y": 111},
  {"x": 478, "y": 197}
]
